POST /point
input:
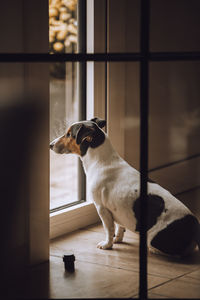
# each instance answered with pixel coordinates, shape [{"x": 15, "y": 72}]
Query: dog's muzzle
[{"x": 58, "y": 147}]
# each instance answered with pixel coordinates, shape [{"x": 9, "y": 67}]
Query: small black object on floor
[{"x": 68, "y": 260}]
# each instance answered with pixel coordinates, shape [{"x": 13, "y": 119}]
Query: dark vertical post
[
  {"x": 81, "y": 16},
  {"x": 144, "y": 86},
  {"x": 106, "y": 64}
]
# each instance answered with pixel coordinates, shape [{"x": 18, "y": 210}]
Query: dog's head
[{"x": 79, "y": 137}]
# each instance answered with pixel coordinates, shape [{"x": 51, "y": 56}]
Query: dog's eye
[{"x": 68, "y": 134}]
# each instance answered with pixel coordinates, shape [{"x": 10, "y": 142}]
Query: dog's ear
[
  {"x": 84, "y": 133},
  {"x": 100, "y": 122}
]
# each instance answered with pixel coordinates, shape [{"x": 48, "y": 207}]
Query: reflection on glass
[{"x": 63, "y": 100}]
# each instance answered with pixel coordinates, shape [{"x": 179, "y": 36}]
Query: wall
[
  {"x": 24, "y": 28},
  {"x": 174, "y": 111}
]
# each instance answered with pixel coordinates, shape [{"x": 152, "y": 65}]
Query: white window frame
[{"x": 84, "y": 214}]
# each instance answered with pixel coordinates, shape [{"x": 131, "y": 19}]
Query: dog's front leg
[
  {"x": 119, "y": 233},
  {"x": 108, "y": 224}
]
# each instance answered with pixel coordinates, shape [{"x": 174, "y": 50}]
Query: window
[
  {"x": 66, "y": 176},
  {"x": 103, "y": 66},
  {"x": 119, "y": 70}
]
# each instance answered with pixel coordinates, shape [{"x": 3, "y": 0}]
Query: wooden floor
[{"x": 114, "y": 273}]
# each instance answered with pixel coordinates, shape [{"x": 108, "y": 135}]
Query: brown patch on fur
[
  {"x": 68, "y": 144},
  {"x": 72, "y": 145}
]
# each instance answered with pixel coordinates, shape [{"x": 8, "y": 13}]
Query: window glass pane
[
  {"x": 174, "y": 129},
  {"x": 64, "y": 110},
  {"x": 24, "y": 26},
  {"x": 123, "y": 25},
  {"x": 62, "y": 26},
  {"x": 123, "y": 109},
  {"x": 123, "y": 112},
  {"x": 24, "y": 103},
  {"x": 174, "y": 161},
  {"x": 64, "y": 106},
  {"x": 175, "y": 25},
  {"x": 174, "y": 112}
]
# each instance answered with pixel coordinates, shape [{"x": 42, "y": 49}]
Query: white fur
[{"x": 114, "y": 186}]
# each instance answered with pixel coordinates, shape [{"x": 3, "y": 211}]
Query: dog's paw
[
  {"x": 153, "y": 250},
  {"x": 156, "y": 251},
  {"x": 117, "y": 239},
  {"x": 104, "y": 245}
]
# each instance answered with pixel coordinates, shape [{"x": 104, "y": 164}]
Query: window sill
[{"x": 72, "y": 218}]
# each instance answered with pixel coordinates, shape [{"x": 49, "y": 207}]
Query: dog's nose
[{"x": 51, "y": 145}]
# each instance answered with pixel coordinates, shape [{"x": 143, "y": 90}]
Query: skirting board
[
  {"x": 179, "y": 177},
  {"x": 73, "y": 218}
]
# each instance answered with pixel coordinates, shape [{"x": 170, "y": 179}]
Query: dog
[{"x": 114, "y": 187}]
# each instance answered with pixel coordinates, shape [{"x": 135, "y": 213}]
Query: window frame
[
  {"x": 64, "y": 219},
  {"x": 81, "y": 98},
  {"x": 143, "y": 57}
]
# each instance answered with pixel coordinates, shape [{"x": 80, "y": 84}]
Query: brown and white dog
[{"x": 115, "y": 189}]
